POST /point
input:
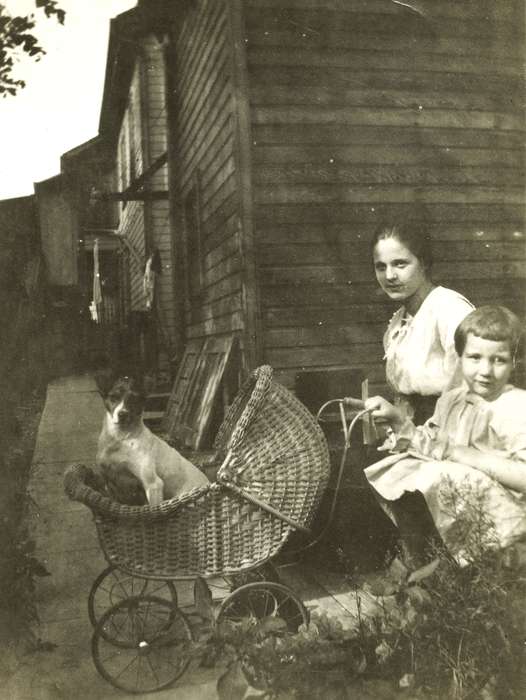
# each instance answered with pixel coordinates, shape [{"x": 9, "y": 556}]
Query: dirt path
[{"x": 66, "y": 544}]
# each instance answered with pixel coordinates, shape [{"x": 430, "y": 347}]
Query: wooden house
[
  {"x": 133, "y": 134},
  {"x": 259, "y": 143},
  {"x": 298, "y": 125}
]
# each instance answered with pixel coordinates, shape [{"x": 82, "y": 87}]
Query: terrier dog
[{"x": 136, "y": 465}]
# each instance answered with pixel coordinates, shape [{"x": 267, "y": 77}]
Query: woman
[{"x": 421, "y": 361}]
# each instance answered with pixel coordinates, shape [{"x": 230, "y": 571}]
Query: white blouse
[{"x": 419, "y": 350}]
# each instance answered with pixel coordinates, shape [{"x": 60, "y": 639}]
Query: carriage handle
[
  {"x": 229, "y": 484},
  {"x": 348, "y": 427}
]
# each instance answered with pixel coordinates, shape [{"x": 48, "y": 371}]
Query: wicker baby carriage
[{"x": 274, "y": 469}]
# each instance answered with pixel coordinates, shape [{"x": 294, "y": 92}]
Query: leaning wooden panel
[
  {"x": 195, "y": 418},
  {"x": 180, "y": 392}
]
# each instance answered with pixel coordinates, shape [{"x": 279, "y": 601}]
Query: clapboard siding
[
  {"x": 132, "y": 226},
  {"x": 205, "y": 148},
  {"x": 365, "y": 111},
  {"x": 158, "y": 231},
  {"x": 461, "y": 20}
]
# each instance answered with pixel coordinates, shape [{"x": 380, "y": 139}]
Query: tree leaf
[{"x": 424, "y": 572}]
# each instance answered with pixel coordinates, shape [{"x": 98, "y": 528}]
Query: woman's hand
[{"x": 384, "y": 412}]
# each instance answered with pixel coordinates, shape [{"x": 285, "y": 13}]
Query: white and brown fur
[{"x": 136, "y": 464}]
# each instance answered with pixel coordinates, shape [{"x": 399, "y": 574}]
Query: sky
[{"x": 59, "y": 107}]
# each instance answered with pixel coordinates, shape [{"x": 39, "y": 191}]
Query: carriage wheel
[
  {"x": 262, "y": 599},
  {"x": 113, "y": 585},
  {"x": 265, "y": 572},
  {"x": 141, "y": 644}
]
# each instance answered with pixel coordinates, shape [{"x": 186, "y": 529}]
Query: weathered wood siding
[
  {"x": 361, "y": 110},
  {"x": 155, "y": 137},
  {"x": 142, "y": 139},
  {"x": 205, "y": 158},
  {"x": 130, "y": 164}
]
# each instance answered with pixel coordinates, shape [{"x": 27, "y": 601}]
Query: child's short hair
[{"x": 490, "y": 322}]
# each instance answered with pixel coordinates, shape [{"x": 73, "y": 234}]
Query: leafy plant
[
  {"x": 263, "y": 658},
  {"x": 458, "y": 631},
  {"x": 443, "y": 631},
  {"x": 17, "y": 38},
  {"x": 17, "y": 584}
]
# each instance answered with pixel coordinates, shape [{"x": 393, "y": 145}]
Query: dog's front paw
[{"x": 75, "y": 476}]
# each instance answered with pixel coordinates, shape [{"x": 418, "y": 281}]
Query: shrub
[{"x": 444, "y": 631}]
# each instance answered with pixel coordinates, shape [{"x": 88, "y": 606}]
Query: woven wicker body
[{"x": 272, "y": 452}]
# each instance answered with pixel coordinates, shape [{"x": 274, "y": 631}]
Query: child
[{"x": 475, "y": 438}]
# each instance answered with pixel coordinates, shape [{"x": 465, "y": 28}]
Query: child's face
[{"x": 486, "y": 366}]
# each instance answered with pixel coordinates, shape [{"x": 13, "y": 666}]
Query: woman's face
[{"x": 399, "y": 273}]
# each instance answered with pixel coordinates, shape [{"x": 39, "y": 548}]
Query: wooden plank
[
  {"x": 360, "y": 116},
  {"x": 375, "y": 212},
  {"x": 317, "y": 599},
  {"x": 341, "y": 194},
  {"x": 402, "y": 22},
  {"x": 330, "y": 355},
  {"x": 321, "y": 315},
  {"x": 205, "y": 383},
  {"x": 217, "y": 161},
  {"x": 227, "y": 248},
  {"x": 227, "y": 324},
  {"x": 339, "y": 135},
  {"x": 222, "y": 222},
  {"x": 432, "y": 174},
  {"x": 181, "y": 388},
  {"x": 227, "y": 188},
  {"x": 410, "y": 155},
  {"x": 191, "y": 139},
  {"x": 430, "y": 8},
  {"x": 301, "y": 296},
  {"x": 412, "y": 81},
  {"x": 340, "y": 234},
  {"x": 328, "y": 55},
  {"x": 225, "y": 306},
  {"x": 195, "y": 77},
  {"x": 281, "y": 92},
  {"x": 226, "y": 287},
  {"x": 217, "y": 178},
  {"x": 350, "y": 274},
  {"x": 339, "y": 588},
  {"x": 264, "y": 30},
  {"x": 190, "y": 44},
  {"x": 228, "y": 267},
  {"x": 210, "y": 93},
  {"x": 207, "y": 150},
  {"x": 342, "y": 252},
  {"x": 325, "y": 334}
]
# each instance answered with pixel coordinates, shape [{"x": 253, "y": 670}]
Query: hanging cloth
[
  {"x": 97, "y": 291},
  {"x": 151, "y": 270}
]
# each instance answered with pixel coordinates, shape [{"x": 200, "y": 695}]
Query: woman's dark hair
[
  {"x": 490, "y": 322},
  {"x": 413, "y": 235}
]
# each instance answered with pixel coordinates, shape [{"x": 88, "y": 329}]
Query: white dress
[
  {"x": 461, "y": 419},
  {"x": 419, "y": 350}
]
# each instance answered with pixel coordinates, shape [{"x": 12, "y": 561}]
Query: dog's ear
[{"x": 104, "y": 379}]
